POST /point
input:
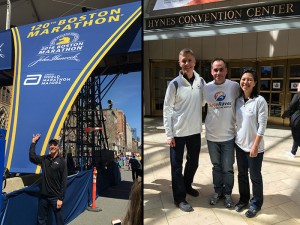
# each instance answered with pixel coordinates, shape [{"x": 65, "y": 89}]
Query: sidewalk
[
  {"x": 113, "y": 202},
  {"x": 281, "y": 176}
]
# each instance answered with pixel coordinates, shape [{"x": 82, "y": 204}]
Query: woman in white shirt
[{"x": 251, "y": 121}]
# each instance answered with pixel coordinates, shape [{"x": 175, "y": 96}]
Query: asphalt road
[{"x": 113, "y": 202}]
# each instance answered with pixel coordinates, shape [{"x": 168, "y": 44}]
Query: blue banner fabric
[
  {"x": 6, "y": 49},
  {"x": 53, "y": 60},
  {"x": 21, "y": 207}
]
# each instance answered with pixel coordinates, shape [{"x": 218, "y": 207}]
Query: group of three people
[{"x": 236, "y": 119}]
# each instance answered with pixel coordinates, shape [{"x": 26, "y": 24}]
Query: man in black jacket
[{"x": 54, "y": 180}]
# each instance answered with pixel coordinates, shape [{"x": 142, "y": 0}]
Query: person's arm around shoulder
[{"x": 33, "y": 157}]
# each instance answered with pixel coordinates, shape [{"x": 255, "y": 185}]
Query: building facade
[{"x": 259, "y": 34}]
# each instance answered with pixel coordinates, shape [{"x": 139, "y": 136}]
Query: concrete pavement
[
  {"x": 113, "y": 202},
  {"x": 281, "y": 176}
]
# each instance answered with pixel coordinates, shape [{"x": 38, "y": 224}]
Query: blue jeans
[
  {"x": 45, "y": 204},
  {"x": 181, "y": 182},
  {"x": 245, "y": 162},
  {"x": 222, "y": 157}
]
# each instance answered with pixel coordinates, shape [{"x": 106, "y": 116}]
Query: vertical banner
[
  {"x": 6, "y": 49},
  {"x": 53, "y": 59}
]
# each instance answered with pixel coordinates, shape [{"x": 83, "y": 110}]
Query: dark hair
[
  {"x": 254, "y": 92},
  {"x": 218, "y": 59}
]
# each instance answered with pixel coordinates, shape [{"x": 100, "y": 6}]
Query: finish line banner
[{"x": 53, "y": 59}]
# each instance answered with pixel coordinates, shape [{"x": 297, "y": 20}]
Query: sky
[{"x": 126, "y": 95}]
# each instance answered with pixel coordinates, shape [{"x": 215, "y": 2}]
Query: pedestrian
[
  {"x": 54, "y": 181},
  {"x": 220, "y": 95},
  {"x": 251, "y": 121},
  {"x": 135, "y": 167},
  {"x": 293, "y": 111},
  {"x": 182, "y": 115}
]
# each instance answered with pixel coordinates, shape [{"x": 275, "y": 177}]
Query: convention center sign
[
  {"x": 228, "y": 15},
  {"x": 53, "y": 60}
]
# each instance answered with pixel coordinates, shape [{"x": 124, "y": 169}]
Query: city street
[{"x": 113, "y": 202}]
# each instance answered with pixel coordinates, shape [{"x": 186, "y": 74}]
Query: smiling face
[
  {"x": 247, "y": 83},
  {"x": 53, "y": 148},
  {"x": 187, "y": 63},
  {"x": 219, "y": 71}
]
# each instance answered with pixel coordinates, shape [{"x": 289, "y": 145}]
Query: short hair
[
  {"x": 187, "y": 50},
  {"x": 218, "y": 59}
]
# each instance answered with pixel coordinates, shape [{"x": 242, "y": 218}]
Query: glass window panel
[
  {"x": 159, "y": 104},
  {"x": 275, "y": 111},
  {"x": 295, "y": 71},
  {"x": 265, "y": 85},
  {"x": 275, "y": 98},
  {"x": 235, "y": 72},
  {"x": 265, "y": 71},
  {"x": 277, "y": 85},
  {"x": 278, "y": 72},
  {"x": 293, "y": 85},
  {"x": 266, "y": 96}
]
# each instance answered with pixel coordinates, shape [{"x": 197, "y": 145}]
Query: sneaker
[
  {"x": 228, "y": 202},
  {"x": 291, "y": 154},
  {"x": 251, "y": 212},
  {"x": 240, "y": 206},
  {"x": 185, "y": 206},
  {"x": 215, "y": 198}
]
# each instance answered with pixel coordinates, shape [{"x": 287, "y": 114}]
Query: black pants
[
  {"x": 181, "y": 182},
  {"x": 296, "y": 139},
  {"x": 45, "y": 204},
  {"x": 134, "y": 173}
]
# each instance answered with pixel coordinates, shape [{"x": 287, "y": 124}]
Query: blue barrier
[
  {"x": 2, "y": 148},
  {"x": 21, "y": 206}
]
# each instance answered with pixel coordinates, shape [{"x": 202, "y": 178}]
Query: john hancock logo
[
  {"x": 220, "y": 96},
  {"x": 1, "y": 54},
  {"x": 65, "y": 47}
]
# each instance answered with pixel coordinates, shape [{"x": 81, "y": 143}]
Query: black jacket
[
  {"x": 54, "y": 178},
  {"x": 293, "y": 111}
]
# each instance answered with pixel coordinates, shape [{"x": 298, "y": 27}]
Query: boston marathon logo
[
  {"x": 62, "y": 44},
  {"x": 1, "y": 54},
  {"x": 220, "y": 97}
]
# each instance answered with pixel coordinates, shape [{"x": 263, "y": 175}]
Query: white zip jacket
[
  {"x": 183, "y": 107},
  {"x": 220, "y": 119},
  {"x": 251, "y": 120}
]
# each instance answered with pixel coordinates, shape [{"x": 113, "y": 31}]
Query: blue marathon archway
[{"x": 52, "y": 62}]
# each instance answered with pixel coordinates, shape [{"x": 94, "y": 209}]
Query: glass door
[
  {"x": 161, "y": 74},
  {"x": 272, "y": 86},
  {"x": 293, "y": 79}
]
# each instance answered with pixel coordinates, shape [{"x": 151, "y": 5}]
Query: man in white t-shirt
[{"x": 220, "y": 95}]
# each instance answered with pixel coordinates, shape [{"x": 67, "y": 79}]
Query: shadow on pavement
[{"x": 120, "y": 191}]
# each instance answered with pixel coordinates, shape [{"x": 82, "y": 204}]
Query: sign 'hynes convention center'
[{"x": 224, "y": 16}]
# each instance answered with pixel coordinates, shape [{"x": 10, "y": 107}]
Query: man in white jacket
[{"x": 183, "y": 125}]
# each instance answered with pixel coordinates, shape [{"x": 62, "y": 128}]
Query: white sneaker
[{"x": 291, "y": 154}]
